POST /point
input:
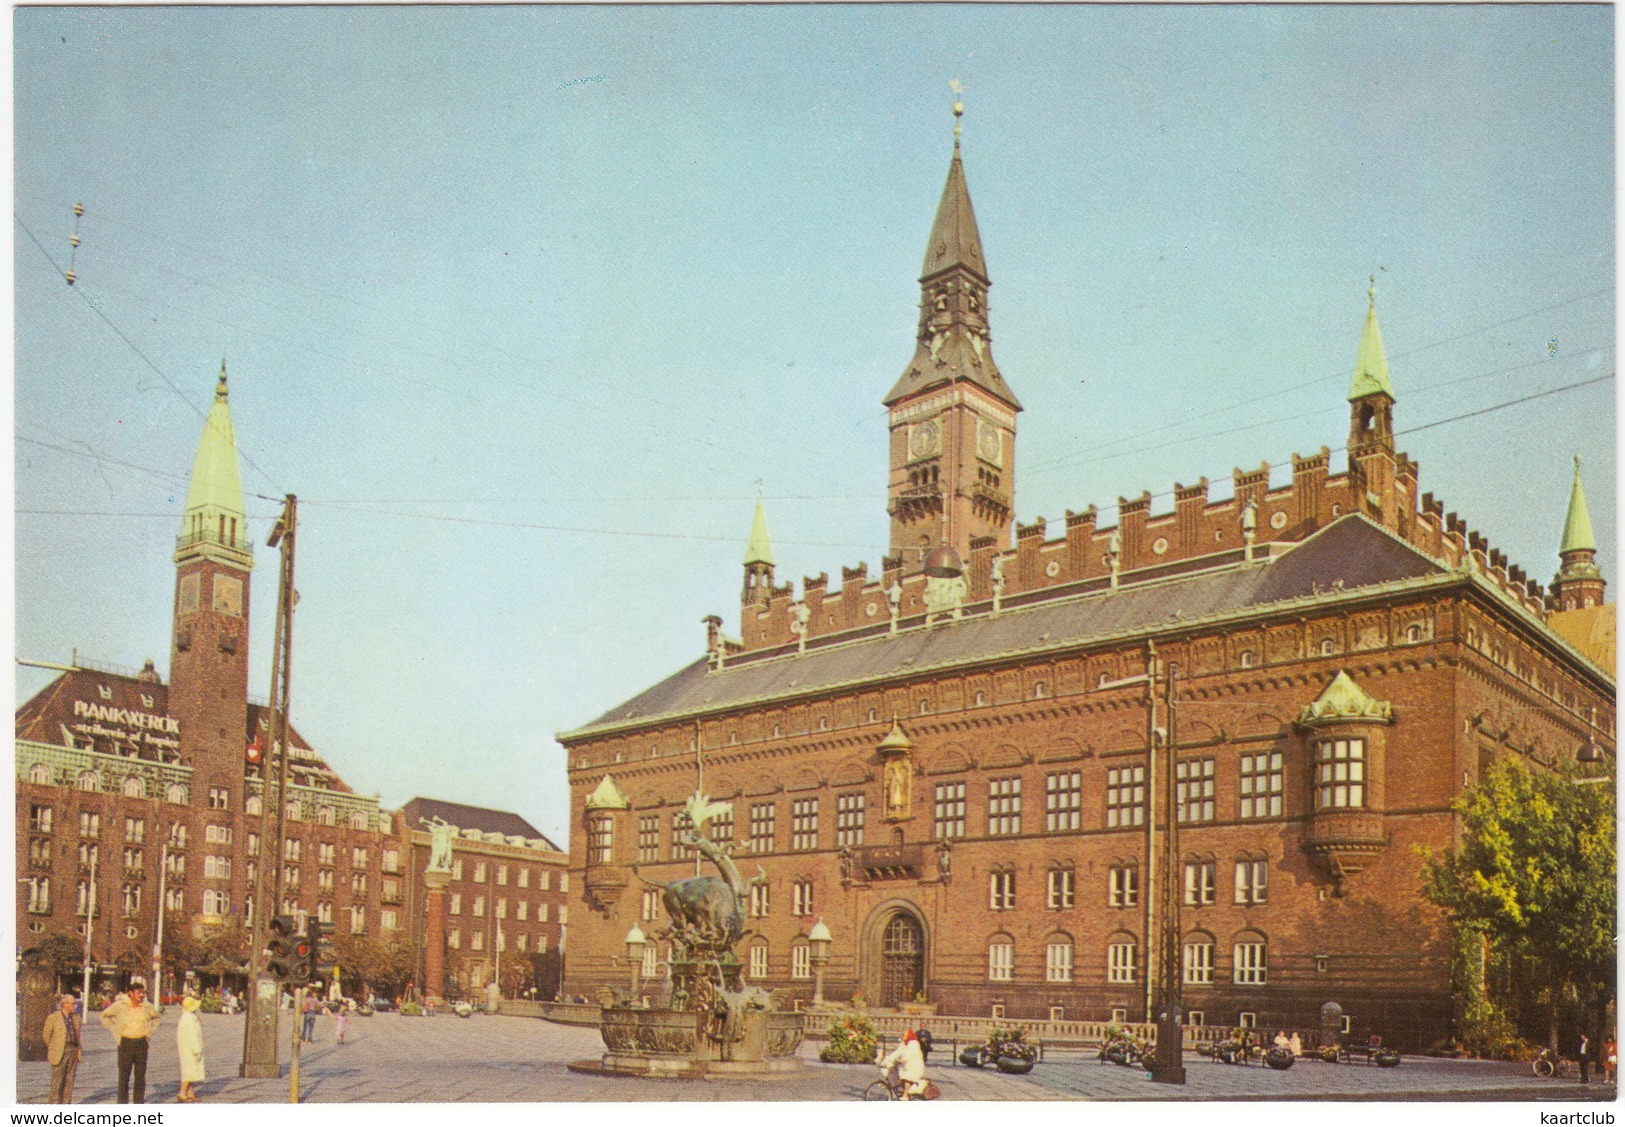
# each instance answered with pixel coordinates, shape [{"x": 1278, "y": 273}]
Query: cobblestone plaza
[{"x": 523, "y": 1060}]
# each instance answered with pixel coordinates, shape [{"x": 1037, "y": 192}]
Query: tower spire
[
  {"x": 1371, "y": 365},
  {"x": 214, "y": 522},
  {"x": 1579, "y": 582}
]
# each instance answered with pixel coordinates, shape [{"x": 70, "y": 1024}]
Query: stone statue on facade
[
  {"x": 945, "y": 595},
  {"x": 894, "y": 603}
]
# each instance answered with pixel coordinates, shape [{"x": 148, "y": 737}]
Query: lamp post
[
  {"x": 818, "y": 939},
  {"x": 635, "y": 942}
]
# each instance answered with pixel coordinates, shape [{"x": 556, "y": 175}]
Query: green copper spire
[
  {"x": 1577, "y": 534},
  {"x": 214, "y": 521},
  {"x": 1371, "y": 366},
  {"x": 759, "y": 550}
]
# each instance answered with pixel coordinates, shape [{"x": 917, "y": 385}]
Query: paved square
[{"x": 392, "y": 1059}]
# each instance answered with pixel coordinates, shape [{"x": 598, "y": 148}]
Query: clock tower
[
  {"x": 208, "y": 663},
  {"x": 951, "y": 415}
]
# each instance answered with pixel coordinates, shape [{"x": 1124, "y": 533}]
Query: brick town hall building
[
  {"x": 948, "y": 764},
  {"x": 127, "y": 785}
]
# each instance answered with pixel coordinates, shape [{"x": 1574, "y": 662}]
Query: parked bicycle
[{"x": 1548, "y": 1064}]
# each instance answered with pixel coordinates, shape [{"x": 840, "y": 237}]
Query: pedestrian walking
[
  {"x": 1585, "y": 1059},
  {"x": 189, "y": 1044},
  {"x": 131, "y": 1019},
  {"x": 340, "y": 1024},
  {"x": 307, "y": 1032},
  {"x": 63, "y": 1048},
  {"x": 1610, "y": 1059}
]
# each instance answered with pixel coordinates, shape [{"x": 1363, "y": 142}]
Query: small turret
[
  {"x": 758, "y": 562},
  {"x": 1579, "y": 582}
]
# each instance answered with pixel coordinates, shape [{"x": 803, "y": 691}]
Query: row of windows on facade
[
  {"x": 521, "y": 941},
  {"x": 42, "y": 820},
  {"x": 1249, "y": 960},
  {"x": 499, "y": 874},
  {"x": 521, "y": 908},
  {"x": 1339, "y": 784},
  {"x": 212, "y": 902},
  {"x": 134, "y": 786}
]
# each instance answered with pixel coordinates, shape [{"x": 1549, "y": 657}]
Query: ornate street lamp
[
  {"x": 819, "y": 940},
  {"x": 635, "y": 943}
]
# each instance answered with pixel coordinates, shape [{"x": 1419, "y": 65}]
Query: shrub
[
  {"x": 211, "y": 1004},
  {"x": 411, "y": 1009},
  {"x": 852, "y": 1040}
]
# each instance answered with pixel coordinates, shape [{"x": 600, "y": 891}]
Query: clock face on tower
[
  {"x": 923, "y": 439},
  {"x": 987, "y": 442}
]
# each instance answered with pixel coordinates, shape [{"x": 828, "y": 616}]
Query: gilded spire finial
[
  {"x": 958, "y": 88},
  {"x": 220, "y": 388},
  {"x": 1371, "y": 292}
]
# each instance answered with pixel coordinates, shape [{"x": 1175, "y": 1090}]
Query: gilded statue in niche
[{"x": 897, "y": 788}]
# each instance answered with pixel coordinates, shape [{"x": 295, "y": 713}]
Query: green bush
[
  {"x": 411, "y": 1009},
  {"x": 211, "y": 1004},
  {"x": 852, "y": 1040}
]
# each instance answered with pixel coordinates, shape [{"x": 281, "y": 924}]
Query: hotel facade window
[
  {"x": 1058, "y": 961},
  {"x": 1062, "y": 888},
  {"x": 1199, "y": 962},
  {"x": 804, "y": 824},
  {"x": 1001, "y": 960},
  {"x": 1123, "y": 886},
  {"x": 648, "y": 843},
  {"x": 1251, "y": 963},
  {"x": 1001, "y": 890},
  {"x": 763, "y": 826},
  {"x": 1252, "y": 881},
  {"x": 801, "y": 898},
  {"x": 1120, "y": 961},
  {"x": 1199, "y": 883}
]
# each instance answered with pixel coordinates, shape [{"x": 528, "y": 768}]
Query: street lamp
[
  {"x": 635, "y": 942},
  {"x": 819, "y": 939}
]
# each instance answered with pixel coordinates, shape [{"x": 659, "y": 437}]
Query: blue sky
[{"x": 524, "y": 302}]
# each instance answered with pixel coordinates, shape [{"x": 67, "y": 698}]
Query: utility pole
[
  {"x": 1152, "y": 885},
  {"x": 264, "y": 995},
  {"x": 1169, "y": 1066}
]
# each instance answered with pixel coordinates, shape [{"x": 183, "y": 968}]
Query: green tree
[{"x": 1535, "y": 876}]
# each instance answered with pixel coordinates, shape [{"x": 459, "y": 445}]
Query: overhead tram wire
[
  {"x": 1069, "y": 459},
  {"x": 732, "y": 539},
  {"x": 145, "y": 359}
]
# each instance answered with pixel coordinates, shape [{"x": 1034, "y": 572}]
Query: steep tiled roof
[
  {"x": 1335, "y": 563},
  {"x": 473, "y": 818}
]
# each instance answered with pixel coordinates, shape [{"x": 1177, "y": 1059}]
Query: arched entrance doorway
[{"x": 902, "y": 960}]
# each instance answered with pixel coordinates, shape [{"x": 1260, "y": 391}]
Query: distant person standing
[
  {"x": 1585, "y": 1059},
  {"x": 63, "y": 1048},
  {"x": 131, "y": 1019},
  {"x": 341, "y": 1023},
  {"x": 307, "y": 1032},
  {"x": 189, "y": 1044}
]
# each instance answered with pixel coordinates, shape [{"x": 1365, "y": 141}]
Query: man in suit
[
  {"x": 63, "y": 1048},
  {"x": 132, "y": 1020}
]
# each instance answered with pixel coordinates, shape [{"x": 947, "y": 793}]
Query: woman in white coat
[
  {"x": 909, "y": 1061},
  {"x": 189, "y": 1042}
]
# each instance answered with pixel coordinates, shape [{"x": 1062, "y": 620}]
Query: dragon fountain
[{"x": 715, "y": 1022}]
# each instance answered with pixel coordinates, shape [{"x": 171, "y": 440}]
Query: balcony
[
  {"x": 893, "y": 862},
  {"x": 1343, "y": 842}
]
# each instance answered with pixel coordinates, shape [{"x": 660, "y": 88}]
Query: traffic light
[
  {"x": 321, "y": 954},
  {"x": 283, "y": 949}
]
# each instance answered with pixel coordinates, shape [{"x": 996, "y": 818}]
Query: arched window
[
  {"x": 358, "y": 820},
  {"x": 1251, "y": 960},
  {"x": 800, "y": 959},
  {"x": 40, "y": 773},
  {"x": 175, "y": 794},
  {"x": 1198, "y": 959},
  {"x": 324, "y": 815},
  {"x": 981, "y": 698},
  {"x": 293, "y": 809},
  {"x": 758, "y": 960},
  {"x": 1122, "y": 958},
  {"x": 134, "y": 787},
  {"x": 88, "y": 781},
  {"x": 1413, "y": 633},
  {"x": 1001, "y": 958},
  {"x": 1058, "y": 958},
  {"x": 1246, "y": 659},
  {"x": 1040, "y": 690},
  {"x": 254, "y": 805},
  {"x": 1326, "y": 647}
]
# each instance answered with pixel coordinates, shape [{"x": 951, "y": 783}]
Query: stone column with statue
[{"x": 436, "y": 876}]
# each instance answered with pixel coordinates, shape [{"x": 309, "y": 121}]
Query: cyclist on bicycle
[{"x": 908, "y": 1061}]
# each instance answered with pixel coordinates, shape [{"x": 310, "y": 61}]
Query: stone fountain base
[{"x": 676, "y": 1045}]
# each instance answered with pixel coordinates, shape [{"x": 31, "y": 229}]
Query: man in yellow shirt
[{"x": 131, "y": 1020}]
